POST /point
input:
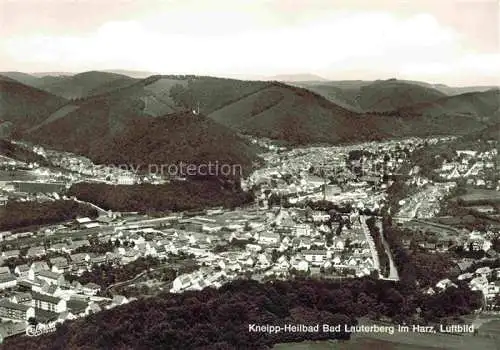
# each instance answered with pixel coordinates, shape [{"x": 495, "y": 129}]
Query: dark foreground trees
[
  {"x": 174, "y": 196},
  {"x": 222, "y": 319},
  {"x": 22, "y": 214}
]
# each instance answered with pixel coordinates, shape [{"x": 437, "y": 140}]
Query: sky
[{"x": 454, "y": 42}]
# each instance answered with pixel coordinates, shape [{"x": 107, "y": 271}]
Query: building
[
  {"x": 180, "y": 283},
  {"x": 21, "y": 298},
  {"x": 77, "y": 307},
  {"x": 117, "y": 301},
  {"x": 4, "y": 271},
  {"x": 22, "y": 270},
  {"x": 8, "y": 281},
  {"x": 315, "y": 257},
  {"x": 268, "y": 238},
  {"x": 48, "y": 302},
  {"x": 51, "y": 277},
  {"x": 65, "y": 316},
  {"x": 14, "y": 311},
  {"x": 91, "y": 289},
  {"x": 35, "y": 252},
  {"x": 10, "y": 254},
  {"x": 83, "y": 221},
  {"x": 79, "y": 259},
  {"x": 59, "y": 264},
  {"x": 38, "y": 266}
]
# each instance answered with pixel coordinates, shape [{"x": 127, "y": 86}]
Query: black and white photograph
[{"x": 250, "y": 174}]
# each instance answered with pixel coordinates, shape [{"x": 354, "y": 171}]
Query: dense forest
[
  {"x": 379, "y": 246},
  {"x": 174, "y": 196},
  {"x": 26, "y": 106},
  {"x": 417, "y": 268},
  {"x": 175, "y": 138},
  {"x": 17, "y": 214},
  {"x": 220, "y": 318}
]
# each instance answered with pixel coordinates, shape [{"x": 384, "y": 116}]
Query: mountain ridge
[{"x": 272, "y": 109}]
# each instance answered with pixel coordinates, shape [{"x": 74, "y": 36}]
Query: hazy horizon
[{"x": 336, "y": 40}]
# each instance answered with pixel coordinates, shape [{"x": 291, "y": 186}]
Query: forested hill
[{"x": 299, "y": 115}]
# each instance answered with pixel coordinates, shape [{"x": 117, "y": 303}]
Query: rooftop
[{"x": 44, "y": 297}]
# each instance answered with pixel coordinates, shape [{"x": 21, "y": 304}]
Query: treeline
[
  {"x": 379, "y": 246},
  {"x": 416, "y": 268},
  {"x": 397, "y": 191},
  {"x": 106, "y": 274},
  {"x": 220, "y": 318},
  {"x": 323, "y": 205},
  {"x": 174, "y": 196},
  {"x": 17, "y": 214}
]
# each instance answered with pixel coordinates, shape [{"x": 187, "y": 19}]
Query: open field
[
  {"x": 476, "y": 196},
  {"x": 359, "y": 344},
  {"x": 19, "y": 175},
  {"x": 400, "y": 341},
  {"x": 487, "y": 338},
  {"x": 491, "y": 329}
]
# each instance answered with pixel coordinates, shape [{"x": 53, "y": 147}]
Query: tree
[
  {"x": 275, "y": 255},
  {"x": 329, "y": 238},
  {"x": 274, "y": 199}
]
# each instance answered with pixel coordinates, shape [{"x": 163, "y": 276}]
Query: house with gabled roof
[
  {"x": 4, "y": 271},
  {"x": 79, "y": 259},
  {"x": 7, "y": 254},
  {"x": 117, "y": 301},
  {"x": 51, "y": 277},
  {"x": 445, "y": 283},
  {"x": 77, "y": 307},
  {"x": 59, "y": 247},
  {"x": 91, "y": 288},
  {"x": 59, "y": 264},
  {"x": 8, "y": 281},
  {"x": 92, "y": 308},
  {"x": 51, "y": 289},
  {"x": 181, "y": 283},
  {"x": 98, "y": 259},
  {"x": 35, "y": 252},
  {"x": 37, "y": 266},
  {"x": 66, "y": 316},
  {"x": 315, "y": 257},
  {"x": 22, "y": 270},
  {"x": 21, "y": 298}
]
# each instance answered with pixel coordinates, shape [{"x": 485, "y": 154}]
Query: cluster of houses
[
  {"x": 473, "y": 166},
  {"x": 21, "y": 308},
  {"x": 426, "y": 202},
  {"x": 318, "y": 173},
  {"x": 85, "y": 168},
  {"x": 286, "y": 244},
  {"x": 484, "y": 279},
  {"x": 264, "y": 241},
  {"x": 41, "y": 293}
]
